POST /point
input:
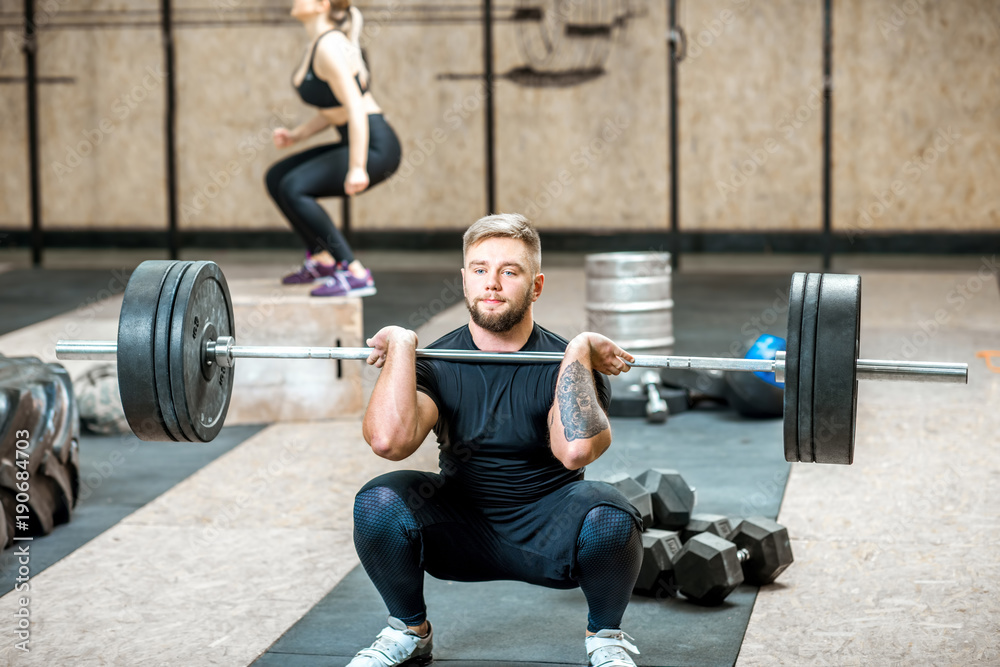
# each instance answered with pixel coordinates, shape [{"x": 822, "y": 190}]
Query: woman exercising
[{"x": 333, "y": 77}]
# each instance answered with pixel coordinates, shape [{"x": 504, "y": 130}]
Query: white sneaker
[
  {"x": 396, "y": 645},
  {"x": 607, "y": 649}
]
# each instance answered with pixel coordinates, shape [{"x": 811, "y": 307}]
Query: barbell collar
[
  {"x": 221, "y": 349},
  {"x": 779, "y": 366},
  {"x": 224, "y": 352}
]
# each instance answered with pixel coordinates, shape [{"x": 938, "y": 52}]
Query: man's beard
[{"x": 505, "y": 321}]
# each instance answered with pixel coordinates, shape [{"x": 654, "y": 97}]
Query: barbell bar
[
  {"x": 224, "y": 351},
  {"x": 176, "y": 354}
]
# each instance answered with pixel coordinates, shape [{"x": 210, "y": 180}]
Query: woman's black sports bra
[{"x": 315, "y": 91}]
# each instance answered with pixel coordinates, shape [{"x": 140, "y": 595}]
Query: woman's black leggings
[{"x": 296, "y": 182}]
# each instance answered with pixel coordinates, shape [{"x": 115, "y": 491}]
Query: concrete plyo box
[{"x": 283, "y": 390}]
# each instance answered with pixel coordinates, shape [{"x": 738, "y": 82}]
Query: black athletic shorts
[{"x": 465, "y": 541}]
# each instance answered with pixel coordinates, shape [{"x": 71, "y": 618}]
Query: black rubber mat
[
  {"x": 717, "y": 315},
  {"x": 118, "y": 475},
  {"x": 737, "y": 467},
  {"x": 511, "y": 623},
  {"x": 28, "y": 296}
]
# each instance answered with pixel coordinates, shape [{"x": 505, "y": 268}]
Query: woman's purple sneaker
[
  {"x": 345, "y": 283},
  {"x": 309, "y": 273}
]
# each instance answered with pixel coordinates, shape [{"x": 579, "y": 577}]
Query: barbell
[{"x": 176, "y": 355}]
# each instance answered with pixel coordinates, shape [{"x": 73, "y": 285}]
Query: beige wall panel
[
  {"x": 14, "y": 178},
  {"x": 751, "y": 87},
  {"x": 916, "y": 128},
  {"x": 591, "y": 154},
  {"x": 102, "y": 151},
  {"x": 235, "y": 87},
  {"x": 439, "y": 121}
]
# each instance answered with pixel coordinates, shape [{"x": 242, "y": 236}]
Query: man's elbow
[
  {"x": 389, "y": 448},
  {"x": 576, "y": 459},
  {"x": 579, "y": 453}
]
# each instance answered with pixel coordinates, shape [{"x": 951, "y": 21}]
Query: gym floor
[{"x": 240, "y": 550}]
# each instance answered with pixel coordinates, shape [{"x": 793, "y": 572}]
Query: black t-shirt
[{"x": 492, "y": 420}]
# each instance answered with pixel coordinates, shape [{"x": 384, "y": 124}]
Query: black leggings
[
  {"x": 393, "y": 546},
  {"x": 295, "y": 182}
]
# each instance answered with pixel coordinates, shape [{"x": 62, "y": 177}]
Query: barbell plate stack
[
  {"x": 792, "y": 345},
  {"x": 137, "y": 360},
  {"x": 200, "y": 388},
  {"x": 835, "y": 389}
]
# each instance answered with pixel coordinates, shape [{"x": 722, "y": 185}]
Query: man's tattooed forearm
[{"x": 581, "y": 414}]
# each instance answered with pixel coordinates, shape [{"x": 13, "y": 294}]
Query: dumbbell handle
[{"x": 224, "y": 351}]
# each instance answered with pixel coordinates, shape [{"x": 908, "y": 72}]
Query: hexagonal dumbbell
[
  {"x": 672, "y": 498},
  {"x": 708, "y": 568},
  {"x": 701, "y": 522},
  {"x": 656, "y": 574},
  {"x": 636, "y": 494},
  {"x": 765, "y": 549}
]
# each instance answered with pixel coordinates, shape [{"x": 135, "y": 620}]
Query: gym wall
[{"x": 581, "y": 114}]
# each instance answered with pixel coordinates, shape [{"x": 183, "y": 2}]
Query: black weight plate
[
  {"x": 136, "y": 354},
  {"x": 835, "y": 387},
  {"x": 807, "y": 366},
  {"x": 796, "y": 293},
  {"x": 161, "y": 346},
  {"x": 203, "y": 311}
]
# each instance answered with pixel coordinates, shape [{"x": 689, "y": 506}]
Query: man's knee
[
  {"x": 374, "y": 500},
  {"x": 608, "y": 525}
]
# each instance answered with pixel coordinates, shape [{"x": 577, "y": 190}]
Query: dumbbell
[
  {"x": 673, "y": 500},
  {"x": 708, "y": 568},
  {"x": 635, "y": 493},
  {"x": 656, "y": 408},
  {"x": 716, "y": 524},
  {"x": 662, "y": 497},
  {"x": 656, "y": 574},
  {"x": 750, "y": 535}
]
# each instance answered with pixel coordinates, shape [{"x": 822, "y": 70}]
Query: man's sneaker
[
  {"x": 396, "y": 645},
  {"x": 309, "y": 273},
  {"x": 607, "y": 649}
]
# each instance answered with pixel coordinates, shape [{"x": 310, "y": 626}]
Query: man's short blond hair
[{"x": 505, "y": 225}]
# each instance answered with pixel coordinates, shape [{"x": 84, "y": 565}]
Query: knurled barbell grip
[{"x": 225, "y": 353}]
